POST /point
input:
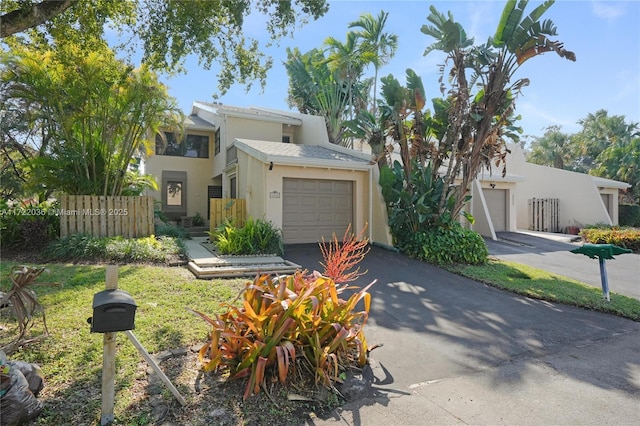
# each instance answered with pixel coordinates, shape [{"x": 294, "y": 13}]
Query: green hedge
[
  {"x": 625, "y": 237},
  {"x": 629, "y": 215},
  {"x": 447, "y": 245},
  {"x": 85, "y": 247}
]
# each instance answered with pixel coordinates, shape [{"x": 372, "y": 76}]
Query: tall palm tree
[
  {"x": 383, "y": 45},
  {"x": 348, "y": 59}
]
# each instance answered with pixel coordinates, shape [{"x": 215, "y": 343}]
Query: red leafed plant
[
  {"x": 284, "y": 326},
  {"x": 341, "y": 257}
]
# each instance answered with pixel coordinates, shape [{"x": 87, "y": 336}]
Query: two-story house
[{"x": 280, "y": 162}]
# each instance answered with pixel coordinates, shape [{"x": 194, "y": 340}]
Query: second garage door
[
  {"x": 315, "y": 208},
  {"x": 497, "y": 204}
]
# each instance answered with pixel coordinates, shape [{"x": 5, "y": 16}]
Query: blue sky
[{"x": 605, "y": 35}]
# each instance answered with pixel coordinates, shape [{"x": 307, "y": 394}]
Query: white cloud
[{"x": 607, "y": 10}]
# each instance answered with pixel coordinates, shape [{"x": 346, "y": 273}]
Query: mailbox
[{"x": 113, "y": 310}]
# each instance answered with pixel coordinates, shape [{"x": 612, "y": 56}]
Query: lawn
[
  {"x": 71, "y": 358},
  {"x": 539, "y": 284}
]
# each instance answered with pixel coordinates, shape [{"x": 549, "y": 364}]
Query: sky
[{"x": 605, "y": 36}]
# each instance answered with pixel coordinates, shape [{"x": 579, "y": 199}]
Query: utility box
[{"x": 113, "y": 310}]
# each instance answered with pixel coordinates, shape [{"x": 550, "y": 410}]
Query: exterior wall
[
  {"x": 252, "y": 129},
  {"x": 252, "y": 185},
  {"x": 262, "y": 188},
  {"x": 313, "y": 130},
  {"x": 580, "y": 202},
  {"x": 379, "y": 222},
  {"x": 199, "y": 175}
]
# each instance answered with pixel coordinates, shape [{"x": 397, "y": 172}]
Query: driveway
[
  {"x": 541, "y": 251},
  {"x": 460, "y": 352}
]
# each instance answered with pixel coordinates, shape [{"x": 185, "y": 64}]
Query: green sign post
[{"x": 601, "y": 252}]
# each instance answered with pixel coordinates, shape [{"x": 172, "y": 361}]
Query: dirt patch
[{"x": 213, "y": 400}]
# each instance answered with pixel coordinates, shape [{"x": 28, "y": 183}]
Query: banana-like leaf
[{"x": 506, "y": 12}]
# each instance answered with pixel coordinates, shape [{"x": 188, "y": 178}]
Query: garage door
[
  {"x": 315, "y": 208},
  {"x": 497, "y": 204}
]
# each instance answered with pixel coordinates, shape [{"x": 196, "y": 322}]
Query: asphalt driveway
[
  {"x": 553, "y": 255},
  {"x": 459, "y": 352}
]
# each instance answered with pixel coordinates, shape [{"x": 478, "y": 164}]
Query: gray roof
[
  {"x": 265, "y": 114},
  {"x": 193, "y": 122},
  {"x": 318, "y": 155}
]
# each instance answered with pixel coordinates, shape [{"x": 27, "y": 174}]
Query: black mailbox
[{"x": 113, "y": 310}]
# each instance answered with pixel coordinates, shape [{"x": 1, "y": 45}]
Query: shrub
[
  {"x": 255, "y": 237},
  {"x": 284, "y": 322},
  {"x": 22, "y": 300},
  {"x": 79, "y": 247},
  {"x": 198, "y": 220},
  {"x": 340, "y": 257},
  {"x": 168, "y": 230},
  {"x": 629, "y": 215},
  {"x": 447, "y": 245},
  {"x": 421, "y": 228},
  {"x": 28, "y": 226},
  {"x": 293, "y": 321},
  {"x": 625, "y": 237}
]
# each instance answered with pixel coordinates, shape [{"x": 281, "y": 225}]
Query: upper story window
[
  {"x": 194, "y": 146},
  {"x": 216, "y": 145}
]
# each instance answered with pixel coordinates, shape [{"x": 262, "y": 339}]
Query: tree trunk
[{"x": 31, "y": 15}]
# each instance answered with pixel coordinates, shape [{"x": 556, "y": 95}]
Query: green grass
[
  {"x": 72, "y": 357},
  {"x": 544, "y": 285}
]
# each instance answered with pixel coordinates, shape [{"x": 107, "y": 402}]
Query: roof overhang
[
  {"x": 285, "y": 160},
  {"x": 601, "y": 182},
  {"x": 193, "y": 122},
  {"x": 248, "y": 113}
]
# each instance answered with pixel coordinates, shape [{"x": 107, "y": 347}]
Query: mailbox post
[
  {"x": 602, "y": 252},
  {"x": 114, "y": 310}
]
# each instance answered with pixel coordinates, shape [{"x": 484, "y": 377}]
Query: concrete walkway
[{"x": 459, "y": 352}]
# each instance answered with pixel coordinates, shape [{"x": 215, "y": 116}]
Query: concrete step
[
  {"x": 198, "y": 231},
  {"x": 247, "y": 270}
]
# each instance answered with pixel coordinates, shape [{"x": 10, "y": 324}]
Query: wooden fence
[
  {"x": 543, "y": 215},
  {"x": 129, "y": 217},
  {"x": 223, "y": 208}
]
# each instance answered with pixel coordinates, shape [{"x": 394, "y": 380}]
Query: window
[
  {"x": 213, "y": 192},
  {"x": 194, "y": 146},
  {"x": 286, "y": 139},
  {"x": 232, "y": 187},
  {"x": 174, "y": 193},
  {"x": 216, "y": 148}
]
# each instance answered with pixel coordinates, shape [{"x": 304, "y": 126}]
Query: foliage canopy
[{"x": 167, "y": 30}]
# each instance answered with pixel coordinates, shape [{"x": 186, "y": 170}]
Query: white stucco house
[
  {"x": 282, "y": 164},
  {"x": 507, "y": 203}
]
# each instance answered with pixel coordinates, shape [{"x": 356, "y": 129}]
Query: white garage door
[
  {"x": 315, "y": 208},
  {"x": 497, "y": 204}
]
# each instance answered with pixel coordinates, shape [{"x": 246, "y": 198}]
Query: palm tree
[
  {"x": 348, "y": 59},
  {"x": 315, "y": 89},
  {"x": 383, "y": 45},
  {"x": 553, "y": 149}
]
